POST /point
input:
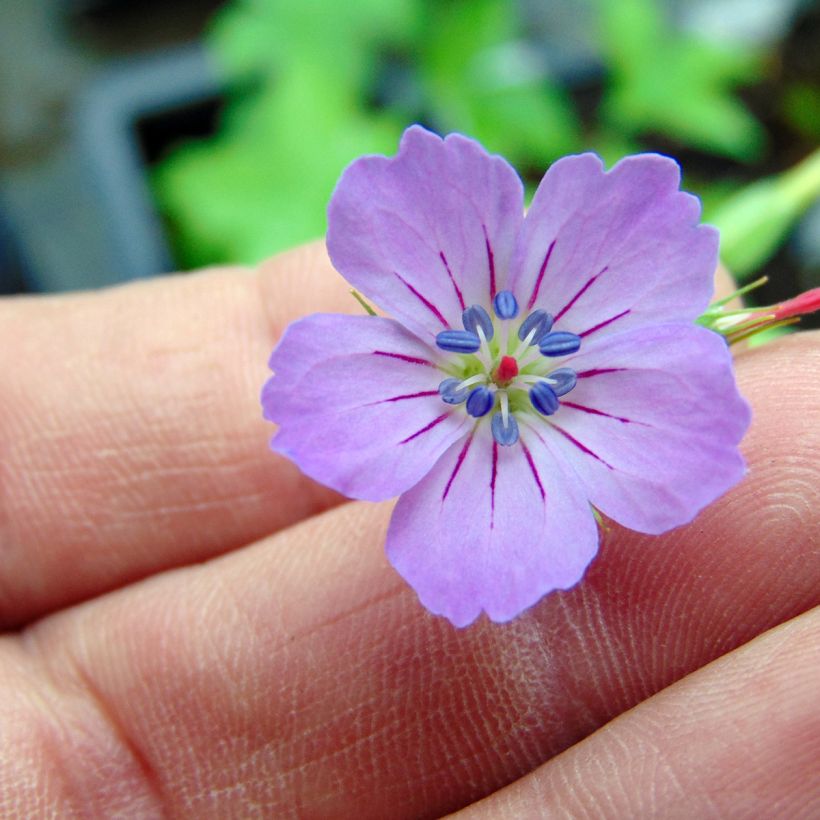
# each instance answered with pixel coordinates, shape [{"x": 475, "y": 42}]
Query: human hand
[{"x": 296, "y": 674}]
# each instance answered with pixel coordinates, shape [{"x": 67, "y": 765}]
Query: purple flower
[{"x": 534, "y": 368}]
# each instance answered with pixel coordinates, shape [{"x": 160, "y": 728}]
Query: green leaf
[
  {"x": 675, "y": 84},
  {"x": 479, "y": 76},
  {"x": 756, "y": 220},
  {"x": 263, "y": 187},
  {"x": 262, "y": 183},
  {"x": 801, "y": 107},
  {"x": 266, "y": 36}
]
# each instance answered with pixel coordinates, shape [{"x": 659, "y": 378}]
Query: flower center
[
  {"x": 506, "y": 371},
  {"x": 499, "y": 372}
]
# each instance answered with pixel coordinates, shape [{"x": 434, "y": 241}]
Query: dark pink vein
[
  {"x": 402, "y": 357},
  {"x": 459, "y": 461},
  {"x": 426, "y": 302},
  {"x": 452, "y": 279},
  {"x": 490, "y": 261},
  {"x": 408, "y": 396},
  {"x": 582, "y": 447},
  {"x": 493, "y": 477},
  {"x": 594, "y": 412},
  {"x": 534, "y": 470},
  {"x": 586, "y": 374},
  {"x": 587, "y": 285},
  {"x": 424, "y": 429},
  {"x": 541, "y": 275},
  {"x": 604, "y": 323}
]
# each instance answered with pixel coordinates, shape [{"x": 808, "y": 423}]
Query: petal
[
  {"x": 653, "y": 424},
  {"x": 492, "y": 528},
  {"x": 428, "y": 232},
  {"x": 356, "y": 399},
  {"x": 604, "y": 252}
]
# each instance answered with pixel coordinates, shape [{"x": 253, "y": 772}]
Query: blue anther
[
  {"x": 559, "y": 344},
  {"x": 480, "y": 402},
  {"x": 505, "y": 305},
  {"x": 543, "y": 398},
  {"x": 507, "y": 435},
  {"x": 540, "y": 321},
  {"x": 476, "y": 317},
  {"x": 449, "y": 392},
  {"x": 458, "y": 341},
  {"x": 566, "y": 379}
]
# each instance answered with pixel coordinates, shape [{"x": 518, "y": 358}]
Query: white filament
[{"x": 479, "y": 377}]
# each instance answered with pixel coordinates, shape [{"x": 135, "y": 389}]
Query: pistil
[
  {"x": 506, "y": 371},
  {"x": 488, "y": 392}
]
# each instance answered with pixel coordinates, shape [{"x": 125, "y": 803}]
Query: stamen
[
  {"x": 505, "y": 431},
  {"x": 504, "y": 399},
  {"x": 458, "y": 341},
  {"x": 476, "y": 317},
  {"x": 533, "y": 378},
  {"x": 534, "y": 356},
  {"x": 452, "y": 392},
  {"x": 535, "y": 326},
  {"x": 543, "y": 398},
  {"x": 505, "y": 305},
  {"x": 559, "y": 344},
  {"x": 484, "y": 353},
  {"x": 480, "y": 402},
  {"x": 529, "y": 339},
  {"x": 479, "y": 377},
  {"x": 562, "y": 380}
]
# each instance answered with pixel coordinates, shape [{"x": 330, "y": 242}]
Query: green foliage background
[{"x": 311, "y": 85}]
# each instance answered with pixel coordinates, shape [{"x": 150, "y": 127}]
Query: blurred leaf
[
  {"x": 713, "y": 193},
  {"x": 769, "y": 335},
  {"x": 675, "y": 84},
  {"x": 801, "y": 107},
  {"x": 755, "y": 220},
  {"x": 611, "y": 146},
  {"x": 250, "y": 37},
  {"x": 266, "y": 186},
  {"x": 263, "y": 182},
  {"x": 480, "y": 77},
  {"x": 302, "y": 74}
]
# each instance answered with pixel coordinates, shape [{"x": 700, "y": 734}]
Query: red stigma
[{"x": 507, "y": 370}]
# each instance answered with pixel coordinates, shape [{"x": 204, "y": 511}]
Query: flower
[
  {"x": 534, "y": 369},
  {"x": 746, "y": 323}
]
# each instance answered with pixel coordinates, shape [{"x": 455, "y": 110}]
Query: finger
[
  {"x": 301, "y": 677},
  {"x": 724, "y": 285},
  {"x": 739, "y": 738},
  {"x": 130, "y": 429},
  {"x": 131, "y": 437}
]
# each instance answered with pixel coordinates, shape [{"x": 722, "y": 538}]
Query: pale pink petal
[
  {"x": 653, "y": 424},
  {"x": 492, "y": 529},
  {"x": 357, "y": 405},
  {"x": 428, "y": 232},
  {"x": 604, "y": 252}
]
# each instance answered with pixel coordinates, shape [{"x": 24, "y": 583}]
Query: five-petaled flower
[{"x": 534, "y": 368}]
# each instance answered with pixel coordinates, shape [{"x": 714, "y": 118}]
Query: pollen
[{"x": 507, "y": 370}]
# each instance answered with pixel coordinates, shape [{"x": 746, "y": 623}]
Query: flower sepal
[{"x": 742, "y": 324}]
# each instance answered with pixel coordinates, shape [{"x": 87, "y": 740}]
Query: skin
[{"x": 193, "y": 629}]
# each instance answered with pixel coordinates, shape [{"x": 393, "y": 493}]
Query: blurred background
[{"x": 139, "y": 138}]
